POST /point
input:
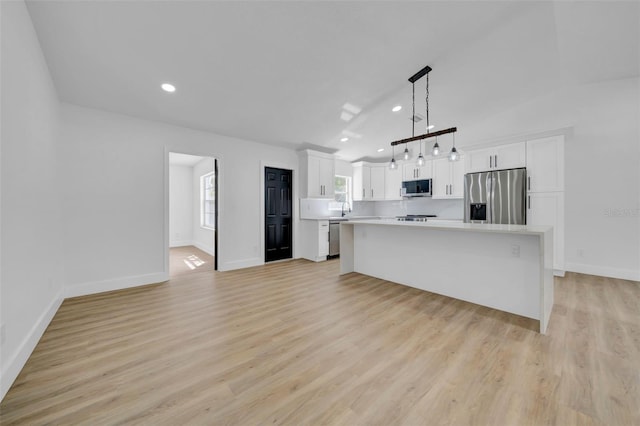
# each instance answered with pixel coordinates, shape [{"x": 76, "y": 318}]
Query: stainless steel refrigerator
[{"x": 496, "y": 197}]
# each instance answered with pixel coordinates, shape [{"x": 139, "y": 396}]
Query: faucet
[{"x": 342, "y": 208}]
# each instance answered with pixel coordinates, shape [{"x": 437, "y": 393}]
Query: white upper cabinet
[
  {"x": 410, "y": 171},
  {"x": 545, "y": 164},
  {"x": 501, "y": 157},
  {"x": 368, "y": 181},
  {"x": 377, "y": 181},
  {"x": 448, "y": 178},
  {"x": 317, "y": 174},
  {"x": 392, "y": 184}
]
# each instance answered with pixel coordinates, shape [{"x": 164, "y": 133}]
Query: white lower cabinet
[
  {"x": 314, "y": 237},
  {"x": 448, "y": 178},
  {"x": 547, "y": 208}
]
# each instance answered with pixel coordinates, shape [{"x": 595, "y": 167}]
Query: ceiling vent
[{"x": 416, "y": 118}]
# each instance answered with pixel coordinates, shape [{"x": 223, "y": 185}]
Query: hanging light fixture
[
  {"x": 392, "y": 164},
  {"x": 453, "y": 154}
]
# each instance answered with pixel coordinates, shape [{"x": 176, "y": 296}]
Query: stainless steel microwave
[{"x": 417, "y": 188}]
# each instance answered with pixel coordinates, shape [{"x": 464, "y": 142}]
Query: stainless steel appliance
[
  {"x": 334, "y": 239},
  {"x": 496, "y": 197},
  {"x": 415, "y": 217},
  {"x": 416, "y": 188}
]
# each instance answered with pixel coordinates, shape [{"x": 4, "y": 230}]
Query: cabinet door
[
  {"x": 358, "y": 183},
  {"x": 326, "y": 177},
  {"x": 456, "y": 190},
  {"x": 509, "y": 156},
  {"x": 545, "y": 164},
  {"x": 323, "y": 238},
  {"x": 393, "y": 184},
  {"x": 477, "y": 160},
  {"x": 426, "y": 171},
  {"x": 314, "y": 186},
  {"x": 441, "y": 178},
  {"x": 547, "y": 208},
  {"x": 409, "y": 171},
  {"x": 377, "y": 182}
]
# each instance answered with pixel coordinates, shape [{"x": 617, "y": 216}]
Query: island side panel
[
  {"x": 478, "y": 267},
  {"x": 547, "y": 286},
  {"x": 346, "y": 248}
]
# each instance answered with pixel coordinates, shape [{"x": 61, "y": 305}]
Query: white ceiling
[{"x": 281, "y": 72}]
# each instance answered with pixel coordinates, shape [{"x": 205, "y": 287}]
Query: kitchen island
[{"x": 505, "y": 267}]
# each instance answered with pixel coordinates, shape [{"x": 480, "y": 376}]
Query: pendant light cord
[
  {"x": 427, "y": 103},
  {"x": 413, "y": 117}
]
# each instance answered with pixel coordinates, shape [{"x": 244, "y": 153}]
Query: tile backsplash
[{"x": 446, "y": 209}]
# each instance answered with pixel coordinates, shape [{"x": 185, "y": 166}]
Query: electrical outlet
[
  {"x": 515, "y": 250},
  {"x": 2, "y": 333}
]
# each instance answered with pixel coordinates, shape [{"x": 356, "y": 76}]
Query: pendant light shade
[
  {"x": 435, "y": 151},
  {"x": 392, "y": 164},
  {"x": 453, "y": 154},
  {"x": 420, "y": 161},
  {"x": 406, "y": 155}
]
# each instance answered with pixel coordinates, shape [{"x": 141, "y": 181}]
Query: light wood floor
[
  {"x": 188, "y": 260},
  {"x": 294, "y": 343}
]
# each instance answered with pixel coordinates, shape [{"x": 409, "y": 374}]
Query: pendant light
[
  {"x": 392, "y": 164},
  {"x": 420, "y": 161},
  {"x": 453, "y": 154},
  {"x": 435, "y": 151}
]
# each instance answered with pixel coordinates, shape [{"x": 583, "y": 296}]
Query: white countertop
[{"x": 456, "y": 225}]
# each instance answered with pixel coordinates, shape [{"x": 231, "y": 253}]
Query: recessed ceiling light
[
  {"x": 396, "y": 108},
  {"x": 168, "y": 87},
  {"x": 344, "y": 139},
  {"x": 430, "y": 127},
  {"x": 380, "y": 149}
]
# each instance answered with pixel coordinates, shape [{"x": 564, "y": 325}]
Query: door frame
[
  {"x": 295, "y": 205},
  {"x": 219, "y": 180}
]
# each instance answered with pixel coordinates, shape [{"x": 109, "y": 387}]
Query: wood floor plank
[{"x": 296, "y": 343}]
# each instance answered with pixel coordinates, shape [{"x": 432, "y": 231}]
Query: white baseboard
[
  {"x": 180, "y": 243},
  {"x": 19, "y": 358},
  {"x": 204, "y": 248},
  {"x": 558, "y": 273},
  {"x": 239, "y": 264},
  {"x": 114, "y": 284},
  {"x": 603, "y": 271}
]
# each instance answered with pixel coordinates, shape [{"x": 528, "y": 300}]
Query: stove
[{"x": 415, "y": 217}]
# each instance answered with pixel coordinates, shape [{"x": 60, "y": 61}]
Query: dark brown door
[{"x": 277, "y": 214}]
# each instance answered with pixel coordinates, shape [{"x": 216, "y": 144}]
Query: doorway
[
  {"x": 193, "y": 214},
  {"x": 277, "y": 214}
]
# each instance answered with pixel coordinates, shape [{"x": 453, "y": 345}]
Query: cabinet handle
[
  {"x": 529, "y": 199},
  {"x": 491, "y": 161},
  {"x": 371, "y": 192},
  {"x": 362, "y": 192},
  {"x": 529, "y": 183},
  {"x": 495, "y": 161}
]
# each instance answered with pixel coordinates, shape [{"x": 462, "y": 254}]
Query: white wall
[
  {"x": 128, "y": 161},
  {"x": 202, "y": 238},
  {"x": 30, "y": 262},
  {"x": 181, "y": 205},
  {"x": 602, "y": 183}
]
